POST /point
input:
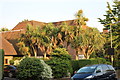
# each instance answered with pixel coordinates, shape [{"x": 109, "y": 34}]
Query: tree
[
  {"x": 28, "y": 41},
  {"x": 80, "y": 21},
  {"x": 23, "y": 49},
  {"x": 112, "y": 18},
  {"x": 4, "y": 29},
  {"x": 88, "y": 41},
  {"x": 65, "y": 34},
  {"x": 43, "y": 39}
]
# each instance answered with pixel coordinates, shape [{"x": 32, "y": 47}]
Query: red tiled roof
[
  {"x": 8, "y": 48},
  {"x": 14, "y": 34},
  {"x": 69, "y": 22},
  {"x": 23, "y": 24}
]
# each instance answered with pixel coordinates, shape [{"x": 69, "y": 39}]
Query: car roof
[
  {"x": 94, "y": 65},
  {"x": 10, "y": 65}
]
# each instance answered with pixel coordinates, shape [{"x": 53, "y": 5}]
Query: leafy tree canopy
[{"x": 112, "y": 18}]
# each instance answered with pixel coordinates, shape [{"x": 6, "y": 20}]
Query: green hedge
[
  {"x": 76, "y": 64},
  {"x": 60, "y": 63}
]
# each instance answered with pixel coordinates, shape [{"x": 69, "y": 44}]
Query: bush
[
  {"x": 60, "y": 63},
  {"x": 11, "y": 62},
  {"x": 33, "y": 69},
  {"x": 76, "y": 64},
  {"x": 61, "y": 53},
  {"x": 61, "y": 68}
]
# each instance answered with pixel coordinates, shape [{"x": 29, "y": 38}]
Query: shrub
[
  {"x": 76, "y": 64},
  {"x": 60, "y": 68},
  {"x": 60, "y": 63},
  {"x": 33, "y": 69},
  {"x": 11, "y": 62},
  {"x": 61, "y": 53}
]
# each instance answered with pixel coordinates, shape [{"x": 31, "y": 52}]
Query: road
[{"x": 118, "y": 76}]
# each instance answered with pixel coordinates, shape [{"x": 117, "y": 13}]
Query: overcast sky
[{"x": 14, "y": 11}]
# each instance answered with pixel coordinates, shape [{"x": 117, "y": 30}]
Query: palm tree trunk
[
  {"x": 45, "y": 55},
  {"x": 76, "y": 56},
  {"x": 87, "y": 57},
  {"x": 35, "y": 53}
]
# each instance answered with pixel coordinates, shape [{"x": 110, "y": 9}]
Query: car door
[
  {"x": 99, "y": 73},
  {"x": 105, "y": 71},
  {"x": 111, "y": 71}
]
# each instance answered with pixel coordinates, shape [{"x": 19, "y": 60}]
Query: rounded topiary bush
[
  {"x": 33, "y": 69},
  {"x": 60, "y": 63}
]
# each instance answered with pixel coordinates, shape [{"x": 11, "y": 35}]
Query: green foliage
[
  {"x": 33, "y": 69},
  {"x": 11, "y": 62},
  {"x": 87, "y": 41},
  {"x": 117, "y": 61},
  {"x": 112, "y": 18},
  {"x": 81, "y": 20},
  {"x": 76, "y": 64},
  {"x": 60, "y": 63},
  {"x": 60, "y": 67},
  {"x": 4, "y": 29},
  {"x": 61, "y": 53}
]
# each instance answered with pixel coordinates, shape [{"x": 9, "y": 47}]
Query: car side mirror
[{"x": 98, "y": 71}]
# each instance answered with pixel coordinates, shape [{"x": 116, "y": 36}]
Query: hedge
[
  {"x": 60, "y": 63},
  {"x": 76, "y": 64}
]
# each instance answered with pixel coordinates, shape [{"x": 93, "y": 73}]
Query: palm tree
[{"x": 88, "y": 41}]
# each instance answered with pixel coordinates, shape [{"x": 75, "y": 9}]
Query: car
[
  {"x": 10, "y": 71},
  {"x": 95, "y": 72}
]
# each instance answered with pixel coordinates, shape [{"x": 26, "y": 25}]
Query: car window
[
  {"x": 88, "y": 69},
  {"x": 110, "y": 68},
  {"x": 105, "y": 68},
  {"x": 98, "y": 69},
  {"x": 12, "y": 67}
]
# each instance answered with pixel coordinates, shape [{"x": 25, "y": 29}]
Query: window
[
  {"x": 98, "y": 69},
  {"x": 6, "y": 61},
  {"x": 110, "y": 68},
  {"x": 105, "y": 68},
  {"x": 89, "y": 69}
]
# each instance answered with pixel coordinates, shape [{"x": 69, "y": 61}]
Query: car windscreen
[{"x": 89, "y": 69}]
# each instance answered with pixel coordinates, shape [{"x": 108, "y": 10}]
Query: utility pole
[
  {"x": 112, "y": 59},
  {"x": 112, "y": 49}
]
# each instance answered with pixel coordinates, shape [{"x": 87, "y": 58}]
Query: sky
[{"x": 14, "y": 11}]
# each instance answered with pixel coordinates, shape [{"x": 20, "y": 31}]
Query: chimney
[{"x": 105, "y": 30}]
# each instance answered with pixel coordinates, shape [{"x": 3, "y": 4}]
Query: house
[
  {"x": 9, "y": 50},
  {"x": 9, "y": 39}
]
